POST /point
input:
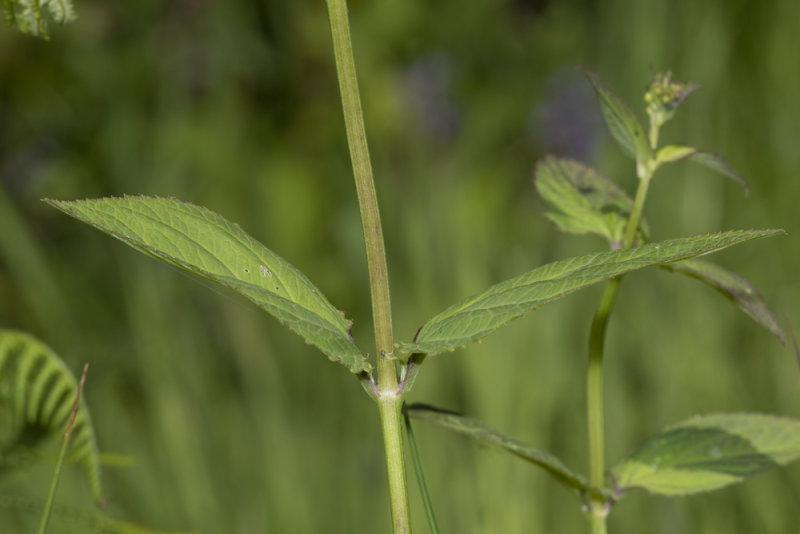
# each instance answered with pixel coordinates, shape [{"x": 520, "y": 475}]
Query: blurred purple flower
[
  {"x": 567, "y": 120},
  {"x": 428, "y": 88}
]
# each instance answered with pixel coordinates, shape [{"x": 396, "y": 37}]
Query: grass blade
[
  {"x": 62, "y": 453},
  {"x": 423, "y": 487}
]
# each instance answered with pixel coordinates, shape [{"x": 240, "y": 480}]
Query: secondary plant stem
[
  {"x": 645, "y": 174},
  {"x": 594, "y": 375},
  {"x": 594, "y": 404},
  {"x": 390, "y": 400}
]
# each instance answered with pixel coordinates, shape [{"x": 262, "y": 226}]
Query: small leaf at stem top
[
  {"x": 202, "y": 242},
  {"x": 709, "y": 452},
  {"x": 621, "y": 121}
]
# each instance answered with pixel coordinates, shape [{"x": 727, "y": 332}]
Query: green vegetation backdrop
[{"x": 234, "y": 424}]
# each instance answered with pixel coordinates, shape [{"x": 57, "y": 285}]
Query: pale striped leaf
[{"x": 710, "y": 452}]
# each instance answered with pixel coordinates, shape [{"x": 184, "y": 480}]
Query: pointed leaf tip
[
  {"x": 734, "y": 287},
  {"x": 672, "y": 153},
  {"x": 718, "y": 163}
]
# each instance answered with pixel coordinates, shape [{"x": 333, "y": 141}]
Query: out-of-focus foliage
[
  {"x": 37, "y": 394},
  {"x": 28, "y": 16},
  {"x": 235, "y": 424}
]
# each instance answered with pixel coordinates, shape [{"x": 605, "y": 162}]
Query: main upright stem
[
  {"x": 365, "y": 187},
  {"x": 388, "y": 387}
]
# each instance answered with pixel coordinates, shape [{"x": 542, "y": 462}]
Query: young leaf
[
  {"x": 40, "y": 390},
  {"x": 671, "y": 153},
  {"x": 483, "y": 313},
  {"x": 709, "y": 452},
  {"x": 486, "y": 435},
  {"x": 582, "y": 200},
  {"x": 204, "y": 243},
  {"x": 737, "y": 289},
  {"x": 621, "y": 121}
]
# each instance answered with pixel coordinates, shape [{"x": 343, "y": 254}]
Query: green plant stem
[
  {"x": 365, "y": 188},
  {"x": 645, "y": 174},
  {"x": 598, "y": 524},
  {"x": 594, "y": 403},
  {"x": 391, "y": 420},
  {"x": 594, "y": 376},
  {"x": 655, "y": 126},
  {"x": 390, "y": 398}
]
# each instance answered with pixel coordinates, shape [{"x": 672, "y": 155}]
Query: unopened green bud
[{"x": 664, "y": 95}]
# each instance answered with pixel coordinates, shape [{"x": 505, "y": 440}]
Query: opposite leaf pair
[{"x": 202, "y": 242}]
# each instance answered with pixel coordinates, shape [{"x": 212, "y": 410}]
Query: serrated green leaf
[
  {"x": 737, "y": 289},
  {"x": 625, "y": 128},
  {"x": 582, "y": 200},
  {"x": 483, "y": 313},
  {"x": 486, "y": 435},
  {"x": 710, "y": 452},
  {"x": 204, "y": 243}
]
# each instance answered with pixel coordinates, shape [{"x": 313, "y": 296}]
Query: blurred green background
[{"x": 235, "y": 424}]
